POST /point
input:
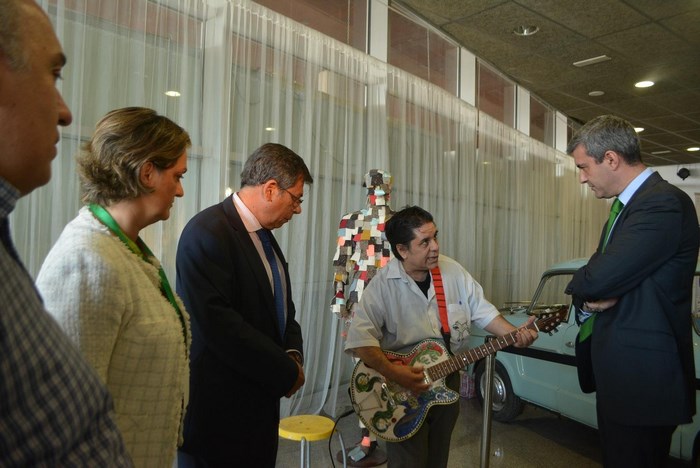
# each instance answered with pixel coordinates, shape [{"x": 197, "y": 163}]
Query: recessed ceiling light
[
  {"x": 694, "y": 148},
  {"x": 269, "y": 129},
  {"x": 638, "y": 129},
  {"x": 596, "y": 93},
  {"x": 172, "y": 93},
  {"x": 591, "y": 61},
  {"x": 644, "y": 84},
  {"x": 525, "y": 30}
]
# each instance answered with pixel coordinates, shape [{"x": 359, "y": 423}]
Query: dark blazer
[
  {"x": 642, "y": 350},
  {"x": 239, "y": 365}
]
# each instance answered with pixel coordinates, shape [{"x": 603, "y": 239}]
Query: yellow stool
[{"x": 308, "y": 428}]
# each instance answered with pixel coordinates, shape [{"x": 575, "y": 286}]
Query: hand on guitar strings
[{"x": 409, "y": 377}]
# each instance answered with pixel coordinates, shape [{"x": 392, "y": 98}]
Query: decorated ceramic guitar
[{"x": 394, "y": 413}]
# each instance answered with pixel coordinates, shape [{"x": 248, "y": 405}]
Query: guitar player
[{"x": 400, "y": 308}]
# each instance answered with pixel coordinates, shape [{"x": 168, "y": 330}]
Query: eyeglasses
[{"x": 296, "y": 201}]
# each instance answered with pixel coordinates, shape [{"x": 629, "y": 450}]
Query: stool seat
[{"x": 310, "y": 427}]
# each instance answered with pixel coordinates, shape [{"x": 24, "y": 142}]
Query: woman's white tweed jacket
[{"x": 108, "y": 300}]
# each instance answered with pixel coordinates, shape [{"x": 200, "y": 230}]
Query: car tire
[{"x": 505, "y": 404}]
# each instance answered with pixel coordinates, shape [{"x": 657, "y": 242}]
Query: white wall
[{"x": 691, "y": 185}]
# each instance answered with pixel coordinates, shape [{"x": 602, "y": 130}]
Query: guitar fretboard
[
  {"x": 461, "y": 360},
  {"x": 458, "y": 361}
]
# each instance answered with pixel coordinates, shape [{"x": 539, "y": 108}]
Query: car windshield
[{"x": 551, "y": 294}]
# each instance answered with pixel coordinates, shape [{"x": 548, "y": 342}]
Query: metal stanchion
[{"x": 488, "y": 391}]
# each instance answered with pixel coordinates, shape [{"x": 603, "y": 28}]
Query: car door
[
  {"x": 571, "y": 400},
  {"x": 557, "y": 363}
]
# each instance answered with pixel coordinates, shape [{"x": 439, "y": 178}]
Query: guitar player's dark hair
[{"x": 399, "y": 228}]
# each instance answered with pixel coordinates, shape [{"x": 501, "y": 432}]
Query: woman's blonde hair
[{"x": 124, "y": 140}]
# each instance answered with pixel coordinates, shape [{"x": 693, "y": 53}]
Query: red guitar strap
[{"x": 442, "y": 306}]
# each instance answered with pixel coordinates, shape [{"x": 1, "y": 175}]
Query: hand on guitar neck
[
  {"x": 410, "y": 377},
  {"x": 527, "y": 334}
]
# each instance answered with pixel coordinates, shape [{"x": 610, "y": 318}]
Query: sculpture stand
[{"x": 375, "y": 457}]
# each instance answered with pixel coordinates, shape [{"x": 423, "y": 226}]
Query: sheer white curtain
[
  {"x": 120, "y": 53},
  {"x": 531, "y": 212},
  {"x": 248, "y": 76},
  {"x": 432, "y": 147}
]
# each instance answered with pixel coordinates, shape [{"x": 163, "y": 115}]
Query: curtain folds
[{"x": 506, "y": 206}]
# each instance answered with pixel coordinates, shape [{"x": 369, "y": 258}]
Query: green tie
[
  {"x": 614, "y": 211},
  {"x": 587, "y": 326}
]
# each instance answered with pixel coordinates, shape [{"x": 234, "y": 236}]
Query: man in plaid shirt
[{"x": 53, "y": 409}]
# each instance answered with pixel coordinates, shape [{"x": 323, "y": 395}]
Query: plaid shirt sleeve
[{"x": 54, "y": 411}]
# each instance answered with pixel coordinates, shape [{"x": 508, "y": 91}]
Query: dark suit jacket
[
  {"x": 239, "y": 365},
  {"x": 642, "y": 347}
]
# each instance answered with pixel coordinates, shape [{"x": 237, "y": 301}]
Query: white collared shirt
[{"x": 630, "y": 190}]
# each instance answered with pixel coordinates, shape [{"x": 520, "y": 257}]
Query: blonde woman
[{"x": 110, "y": 294}]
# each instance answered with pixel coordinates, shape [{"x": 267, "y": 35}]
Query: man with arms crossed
[{"x": 638, "y": 288}]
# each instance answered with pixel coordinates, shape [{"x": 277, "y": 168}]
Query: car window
[{"x": 550, "y": 294}]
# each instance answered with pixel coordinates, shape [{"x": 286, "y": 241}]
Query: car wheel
[{"x": 505, "y": 404}]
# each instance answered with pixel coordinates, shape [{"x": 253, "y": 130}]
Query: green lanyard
[{"x": 144, "y": 252}]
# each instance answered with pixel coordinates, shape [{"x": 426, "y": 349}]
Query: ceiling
[{"x": 656, "y": 40}]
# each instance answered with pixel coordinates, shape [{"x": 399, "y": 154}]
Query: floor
[{"x": 537, "y": 438}]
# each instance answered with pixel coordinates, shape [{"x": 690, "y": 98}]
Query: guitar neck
[{"x": 461, "y": 360}]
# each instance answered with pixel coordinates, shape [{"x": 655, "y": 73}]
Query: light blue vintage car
[{"x": 545, "y": 373}]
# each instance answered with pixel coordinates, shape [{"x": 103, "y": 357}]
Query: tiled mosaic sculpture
[{"x": 362, "y": 246}]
